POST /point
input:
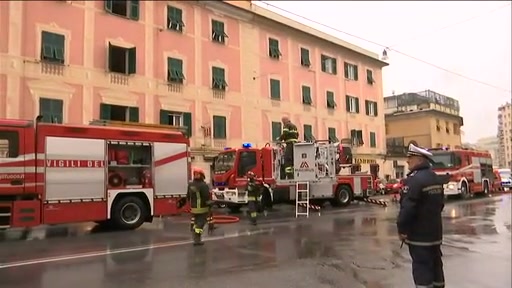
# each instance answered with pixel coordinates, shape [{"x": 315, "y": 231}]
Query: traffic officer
[
  {"x": 198, "y": 195},
  {"x": 419, "y": 221},
  {"x": 290, "y": 136},
  {"x": 253, "y": 197}
]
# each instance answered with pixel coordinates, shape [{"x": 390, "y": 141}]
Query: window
[
  {"x": 52, "y": 47},
  {"x": 352, "y": 104},
  {"x": 308, "y": 133},
  {"x": 328, "y": 64},
  {"x": 277, "y": 129},
  {"x": 329, "y": 95},
  {"x": 306, "y": 95},
  {"x": 125, "y": 8},
  {"x": 351, "y": 71},
  {"x": 119, "y": 113},
  {"x": 369, "y": 77},
  {"x": 371, "y": 108},
  {"x": 175, "y": 19},
  {"x": 275, "y": 89},
  {"x": 175, "y": 70},
  {"x": 218, "y": 33},
  {"x": 219, "y": 127},
  {"x": 174, "y": 118},
  {"x": 447, "y": 127},
  {"x": 332, "y": 134},
  {"x": 438, "y": 125},
  {"x": 248, "y": 161},
  {"x": 357, "y": 137},
  {"x": 304, "y": 57},
  {"x": 9, "y": 144},
  {"x": 219, "y": 78},
  {"x": 122, "y": 60},
  {"x": 373, "y": 140},
  {"x": 456, "y": 129},
  {"x": 273, "y": 48},
  {"x": 51, "y": 110}
]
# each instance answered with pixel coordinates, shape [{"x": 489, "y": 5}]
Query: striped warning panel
[
  {"x": 314, "y": 207},
  {"x": 378, "y": 202}
]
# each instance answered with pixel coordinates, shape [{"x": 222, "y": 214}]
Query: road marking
[{"x": 126, "y": 250}]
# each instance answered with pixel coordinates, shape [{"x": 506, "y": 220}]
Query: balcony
[
  {"x": 55, "y": 69},
  {"x": 119, "y": 79},
  {"x": 175, "y": 87},
  {"x": 219, "y": 143},
  {"x": 218, "y": 94}
]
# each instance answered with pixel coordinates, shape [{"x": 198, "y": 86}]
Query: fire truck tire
[
  {"x": 344, "y": 196},
  {"x": 464, "y": 191},
  {"x": 486, "y": 189},
  {"x": 128, "y": 213}
]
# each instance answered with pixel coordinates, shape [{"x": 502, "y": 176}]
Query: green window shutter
[
  {"x": 347, "y": 102},
  {"x": 332, "y": 134},
  {"x": 219, "y": 80},
  {"x": 134, "y": 9},
  {"x": 306, "y": 95},
  {"x": 373, "y": 140},
  {"x": 304, "y": 57},
  {"x": 330, "y": 99},
  {"x": 59, "y": 46},
  {"x": 110, "y": 58},
  {"x": 45, "y": 110},
  {"x": 357, "y": 104},
  {"x": 375, "y": 108},
  {"x": 345, "y": 66},
  {"x": 46, "y": 45},
  {"x": 108, "y": 5},
  {"x": 356, "y": 77},
  {"x": 353, "y": 134},
  {"x": 187, "y": 121},
  {"x": 57, "y": 106},
  {"x": 275, "y": 89},
  {"x": 367, "y": 107},
  {"x": 276, "y": 130},
  {"x": 218, "y": 26},
  {"x": 175, "y": 70},
  {"x": 359, "y": 134},
  {"x": 334, "y": 66},
  {"x": 323, "y": 58},
  {"x": 308, "y": 132},
  {"x": 273, "y": 48},
  {"x": 133, "y": 114},
  {"x": 164, "y": 117},
  {"x": 219, "y": 127},
  {"x": 132, "y": 60},
  {"x": 105, "y": 111}
]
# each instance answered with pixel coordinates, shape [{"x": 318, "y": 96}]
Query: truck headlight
[{"x": 450, "y": 186}]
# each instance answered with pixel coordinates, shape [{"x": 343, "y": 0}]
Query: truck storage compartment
[{"x": 26, "y": 213}]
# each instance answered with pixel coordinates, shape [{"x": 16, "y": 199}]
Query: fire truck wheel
[
  {"x": 128, "y": 213},
  {"x": 486, "y": 189},
  {"x": 344, "y": 196},
  {"x": 464, "y": 192}
]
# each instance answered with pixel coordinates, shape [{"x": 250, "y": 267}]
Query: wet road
[{"x": 355, "y": 247}]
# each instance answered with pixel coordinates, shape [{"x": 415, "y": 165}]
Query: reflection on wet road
[{"x": 348, "y": 248}]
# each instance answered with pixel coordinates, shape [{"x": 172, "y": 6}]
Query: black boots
[{"x": 197, "y": 240}]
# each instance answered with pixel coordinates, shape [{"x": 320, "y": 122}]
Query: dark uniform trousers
[
  {"x": 288, "y": 157},
  {"x": 253, "y": 194},
  {"x": 427, "y": 266}
]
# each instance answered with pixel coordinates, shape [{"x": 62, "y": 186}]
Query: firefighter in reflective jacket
[
  {"x": 198, "y": 195},
  {"x": 419, "y": 221},
  {"x": 253, "y": 196},
  {"x": 290, "y": 136}
]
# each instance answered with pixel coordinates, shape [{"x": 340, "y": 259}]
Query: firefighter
[
  {"x": 419, "y": 221},
  {"x": 253, "y": 196},
  {"x": 290, "y": 136},
  {"x": 198, "y": 195}
]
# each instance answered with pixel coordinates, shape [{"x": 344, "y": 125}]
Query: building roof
[
  {"x": 265, "y": 13},
  {"x": 400, "y": 115}
]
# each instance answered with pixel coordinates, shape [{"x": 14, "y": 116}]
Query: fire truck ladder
[{"x": 301, "y": 199}]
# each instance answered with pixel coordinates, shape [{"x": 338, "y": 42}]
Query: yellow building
[{"x": 426, "y": 118}]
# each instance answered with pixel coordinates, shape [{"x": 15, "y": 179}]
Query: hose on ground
[{"x": 225, "y": 219}]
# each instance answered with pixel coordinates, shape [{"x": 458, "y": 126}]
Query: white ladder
[{"x": 301, "y": 199}]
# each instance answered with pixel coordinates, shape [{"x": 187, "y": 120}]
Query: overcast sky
[{"x": 479, "y": 48}]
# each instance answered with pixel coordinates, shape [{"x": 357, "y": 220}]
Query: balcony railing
[
  {"x": 219, "y": 143},
  {"x": 119, "y": 79},
  {"x": 55, "y": 69}
]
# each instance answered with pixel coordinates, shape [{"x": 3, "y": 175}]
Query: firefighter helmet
[{"x": 196, "y": 171}]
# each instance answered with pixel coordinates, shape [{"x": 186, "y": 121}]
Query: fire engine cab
[
  {"x": 320, "y": 173},
  {"x": 123, "y": 175},
  {"x": 470, "y": 170}
]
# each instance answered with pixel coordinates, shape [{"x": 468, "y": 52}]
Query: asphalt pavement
[{"x": 353, "y": 247}]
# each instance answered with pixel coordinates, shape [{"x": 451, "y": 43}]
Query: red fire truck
[
  {"x": 470, "y": 170},
  {"x": 320, "y": 164},
  {"x": 122, "y": 175}
]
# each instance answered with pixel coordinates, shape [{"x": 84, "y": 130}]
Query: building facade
[
  {"x": 426, "y": 118},
  {"x": 505, "y": 136},
  {"x": 227, "y": 71},
  {"x": 491, "y": 144}
]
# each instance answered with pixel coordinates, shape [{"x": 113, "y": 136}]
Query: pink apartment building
[{"x": 227, "y": 70}]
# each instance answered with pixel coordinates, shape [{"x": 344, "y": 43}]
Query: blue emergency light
[{"x": 246, "y": 145}]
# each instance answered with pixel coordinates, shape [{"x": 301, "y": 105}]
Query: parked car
[{"x": 393, "y": 186}]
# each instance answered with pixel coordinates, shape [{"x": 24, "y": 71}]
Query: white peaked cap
[{"x": 417, "y": 151}]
